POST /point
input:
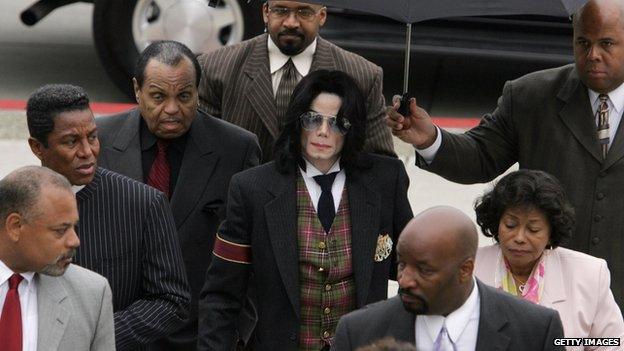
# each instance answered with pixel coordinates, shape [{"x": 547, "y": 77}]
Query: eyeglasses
[
  {"x": 304, "y": 13},
  {"x": 312, "y": 120}
]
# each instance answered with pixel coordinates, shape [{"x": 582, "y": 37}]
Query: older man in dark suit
[
  {"x": 126, "y": 228},
  {"x": 564, "y": 121},
  {"x": 440, "y": 305},
  {"x": 202, "y": 154},
  {"x": 316, "y": 228},
  {"x": 250, "y": 84}
]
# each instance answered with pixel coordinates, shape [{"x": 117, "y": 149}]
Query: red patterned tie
[
  {"x": 160, "y": 172},
  {"x": 11, "y": 320}
]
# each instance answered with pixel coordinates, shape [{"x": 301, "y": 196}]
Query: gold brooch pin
[{"x": 384, "y": 247}]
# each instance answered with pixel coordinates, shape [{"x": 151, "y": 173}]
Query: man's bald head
[
  {"x": 447, "y": 228},
  {"x": 599, "y": 44},
  {"x": 436, "y": 253}
]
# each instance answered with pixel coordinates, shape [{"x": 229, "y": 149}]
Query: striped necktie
[
  {"x": 285, "y": 88},
  {"x": 160, "y": 172},
  {"x": 603, "y": 124}
]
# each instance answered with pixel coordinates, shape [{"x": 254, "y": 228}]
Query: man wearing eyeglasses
[
  {"x": 311, "y": 234},
  {"x": 250, "y": 84}
]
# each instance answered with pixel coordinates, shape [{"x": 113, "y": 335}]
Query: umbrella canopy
[{"x": 411, "y": 11}]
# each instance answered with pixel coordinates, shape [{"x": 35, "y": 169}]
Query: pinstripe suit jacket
[
  {"x": 236, "y": 86},
  {"x": 128, "y": 235}
]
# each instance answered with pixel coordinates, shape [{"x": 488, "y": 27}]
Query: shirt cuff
[{"x": 428, "y": 154}]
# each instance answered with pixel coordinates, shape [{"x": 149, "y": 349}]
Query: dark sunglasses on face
[{"x": 312, "y": 120}]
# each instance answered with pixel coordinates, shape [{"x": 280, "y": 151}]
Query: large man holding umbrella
[
  {"x": 250, "y": 84},
  {"x": 565, "y": 121}
]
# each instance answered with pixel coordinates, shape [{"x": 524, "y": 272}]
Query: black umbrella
[{"x": 411, "y": 11}]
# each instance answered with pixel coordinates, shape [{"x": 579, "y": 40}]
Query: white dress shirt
[
  {"x": 277, "y": 60},
  {"x": 462, "y": 325},
  {"x": 27, "y": 291},
  {"x": 314, "y": 189},
  {"x": 616, "y": 106}
]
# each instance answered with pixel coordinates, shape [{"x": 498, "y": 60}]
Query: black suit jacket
[
  {"x": 262, "y": 212},
  {"x": 215, "y": 150},
  {"x": 544, "y": 121},
  {"x": 127, "y": 235},
  {"x": 506, "y": 323}
]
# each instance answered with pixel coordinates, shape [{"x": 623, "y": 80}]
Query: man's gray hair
[{"x": 20, "y": 189}]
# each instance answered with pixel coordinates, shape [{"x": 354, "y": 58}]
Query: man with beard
[
  {"x": 250, "y": 84},
  {"x": 440, "y": 306},
  {"x": 47, "y": 303},
  {"x": 126, "y": 227}
]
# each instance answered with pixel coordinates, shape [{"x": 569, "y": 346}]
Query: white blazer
[{"x": 577, "y": 285}]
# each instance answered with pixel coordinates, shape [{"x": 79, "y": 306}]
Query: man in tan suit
[{"x": 249, "y": 84}]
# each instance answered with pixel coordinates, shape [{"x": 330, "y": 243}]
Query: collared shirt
[
  {"x": 277, "y": 60},
  {"x": 314, "y": 189},
  {"x": 77, "y": 188},
  {"x": 462, "y": 325},
  {"x": 616, "y": 106},
  {"x": 175, "y": 153},
  {"x": 27, "y": 291}
]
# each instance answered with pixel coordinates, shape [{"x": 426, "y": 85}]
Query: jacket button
[
  {"x": 600, "y": 196},
  {"x": 293, "y": 336},
  {"x": 597, "y": 218},
  {"x": 595, "y": 240},
  {"x": 325, "y": 334},
  {"x": 322, "y": 245},
  {"x": 327, "y": 310}
]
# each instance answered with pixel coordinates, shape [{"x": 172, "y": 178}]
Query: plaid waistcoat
[{"x": 327, "y": 287}]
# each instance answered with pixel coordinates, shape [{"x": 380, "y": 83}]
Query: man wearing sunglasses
[
  {"x": 312, "y": 234},
  {"x": 250, "y": 84}
]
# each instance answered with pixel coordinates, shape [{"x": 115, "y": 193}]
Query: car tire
[{"x": 119, "y": 27}]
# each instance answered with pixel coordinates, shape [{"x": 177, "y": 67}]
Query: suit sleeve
[
  {"x": 607, "y": 321},
  {"x": 555, "y": 330},
  {"x": 402, "y": 214},
  {"x": 104, "y": 337},
  {"x": 482, "y": 153},
  {"x": 165, "y": 304},
  {"x": 224, "y": 291},
  {"x": 341, "y": 341},
  {"x": 210, "y": 88},
  {"x": 378, "y": 136},
  {"x": 253, "y": 154}
]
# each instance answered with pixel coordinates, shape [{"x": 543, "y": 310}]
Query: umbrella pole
[{"x": 408, "y": 46}]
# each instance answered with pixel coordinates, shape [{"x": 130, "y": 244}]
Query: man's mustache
[{"x": 292, "y": 32}]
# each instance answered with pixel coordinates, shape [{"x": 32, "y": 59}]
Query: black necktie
[{"x": 326, "y": 211}]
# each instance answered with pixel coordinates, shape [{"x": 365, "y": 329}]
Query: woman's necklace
[{"x": 520, "y": 284}]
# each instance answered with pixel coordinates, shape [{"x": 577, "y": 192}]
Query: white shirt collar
[
  {"x": 77, "y": 188},
  {"x": 616, "y": 97},
  {"x": 457, "y": 320},
  {"x": 302, "y": 61},
  {"x": 312, "y": 171},
  {"x": 6, "y": 273}
]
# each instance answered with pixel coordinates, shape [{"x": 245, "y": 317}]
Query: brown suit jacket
[
  {"x": 236, "y": 87},
  {"x": 544, "y": 121}
]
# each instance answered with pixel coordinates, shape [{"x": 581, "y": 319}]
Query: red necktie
[
  {"x": 160, "y": 172},
  {"x": 11, "y": 320}
]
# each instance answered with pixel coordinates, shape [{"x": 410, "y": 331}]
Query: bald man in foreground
[{"x": 440, "y": 305}]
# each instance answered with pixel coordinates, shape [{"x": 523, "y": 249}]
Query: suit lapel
[
  {"x": 52, "y": 314},
  {"x": 323, "y": 58},
  {"x": 198, "y": 165},
  {"x": 491, "y": 322},
  {"x": 554, "y": 287},
  {"x": 576, "y": 115},
  {"x": 364, "y": 209},
  {"x": 259, "y": 92},
  {"x": 616, "y": 151},
  {"x": 126, "y": 147},
  {"x": 402, "y": 326},
  {"x": 281, "y": 219}
]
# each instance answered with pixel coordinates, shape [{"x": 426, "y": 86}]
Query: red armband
[{"x": 233, "y": 252}]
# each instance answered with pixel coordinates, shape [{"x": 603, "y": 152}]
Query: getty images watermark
[{"x": 586, "y": 342}]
